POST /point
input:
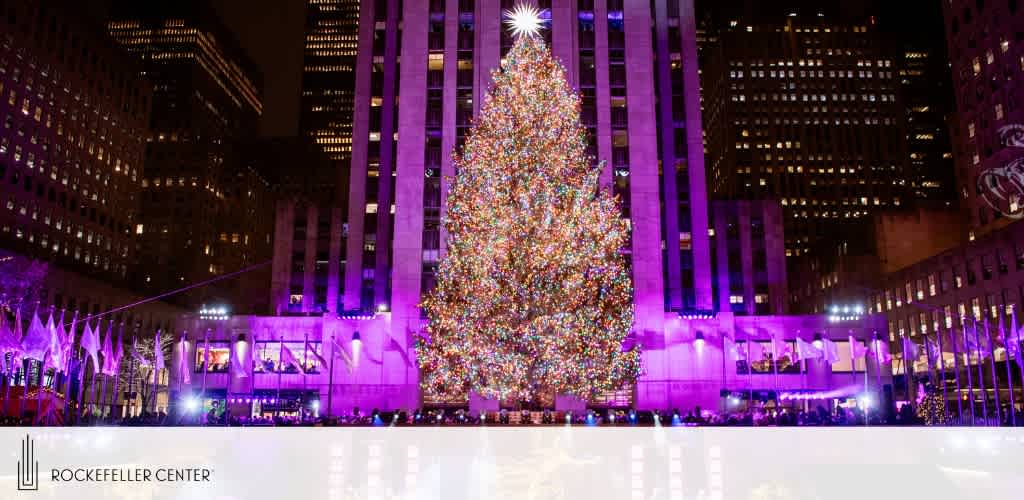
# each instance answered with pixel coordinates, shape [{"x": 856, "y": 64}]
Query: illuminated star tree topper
[
  {"x": 524, "y": 19},
  {"x": 533, "y": 295}
]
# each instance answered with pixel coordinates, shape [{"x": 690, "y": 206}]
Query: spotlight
[
  {"x": 316, "y": 405},
  {"x": 865, "y": 400},
  {"x": 698, "y": 340},
  {"x": 191, "y": 404},
  {"x": 818, "y": 342},
  {"x": 632, "y": 416},
  {"x": 568, "y": 417}
]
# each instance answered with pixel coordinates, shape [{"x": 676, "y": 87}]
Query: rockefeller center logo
[{"x": 28, "y": 466}]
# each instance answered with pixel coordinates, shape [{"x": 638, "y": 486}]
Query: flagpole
[
  {"x": 117, "y": 371},
  {"x": 981, "y": 373},
  {"x": 280, "y": 369},
  {"x": 995, "y": 379},
  {"x": 775, "y": 370},
  {"x": 131, "y": 375},
  {"x": 305, "y": 363},
  {"x": 956, "y": 371},
  {"x": 206, "y": 363},
  {"x": 330, "y": 379},
  {"x": 1020, "y": 355},
  {"x": 42, "y": 378},
  {"x": 1009, "y": 373},
  {"x": 967, "y": 362},
  {"x": 155, "y": 370},
  {"x": 750, "y": 378},
  {"x": 942, "y": 366}
]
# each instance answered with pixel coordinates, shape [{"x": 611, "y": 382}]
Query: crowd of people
[{"x": 756, "y": 417}]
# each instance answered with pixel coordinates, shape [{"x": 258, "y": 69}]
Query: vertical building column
[
  {"x": 648, "y": 292},
  {"x": 743, "y": 210},
  {"x": 775, "y": 256},
  {"x": 564, "y": 30},
  {"x": 357, "y": 170},
  {"x": 449, "y": 106},
  {"x": 487, "y": 53},
  {"x": 407, "y": 271},
  {"x": 384, "y": 194},
  {"x": 309, "y": 266},
  {"x": 334, "y": 264},
  {"x": 695, "y": 160},
  {"x": 668, "y": 159},
  {"x": 281, "y": 268},
  {"x": 604, "y": 110},
  {"x": 722, "y": 257}
]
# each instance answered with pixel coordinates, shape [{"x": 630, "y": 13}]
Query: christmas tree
[{"x": 533, "y": 295}]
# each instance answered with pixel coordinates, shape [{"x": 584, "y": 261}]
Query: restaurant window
[
  {"x": 220, "y": 356},
  {"x": 267, "y": 358}
]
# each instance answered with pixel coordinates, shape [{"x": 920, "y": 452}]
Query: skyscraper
[
  {"x": 204, "y": 212},
  {"x": 805, "y": 108},
  {"x": 328, "y": 75}
]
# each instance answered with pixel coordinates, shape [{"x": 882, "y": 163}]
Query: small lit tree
[{"x": 21, "y": 280}]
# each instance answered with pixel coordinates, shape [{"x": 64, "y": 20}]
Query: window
[
  {"x": 268, "y": 357},
  {"x": 220, "y": 356},
  {"x": 931, "y": 285}
]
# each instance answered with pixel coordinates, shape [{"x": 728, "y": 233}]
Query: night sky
[{"x": 271, "y": 32}]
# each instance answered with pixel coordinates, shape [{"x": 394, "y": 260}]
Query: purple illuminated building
[{"x": 702, "y": 274}]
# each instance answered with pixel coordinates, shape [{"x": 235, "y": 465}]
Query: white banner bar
[{"x": 478, "y": 463}]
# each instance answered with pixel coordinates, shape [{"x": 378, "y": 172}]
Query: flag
[
  {"x": 108, "y": 350},
  {"x": 7, "y": 341},
  {"x": 241, "y": 359},
  {"x": 831, "y": 351},
  {"x": 932, "y": 350},
  {"x": 184, "y": 366},
  {"x": 880, "y": 350},
  {"x": 780, "y": 348},
  {"x": 136, "y": 355},
  {"x": 339, "y": 351},
  {"x": 756, "y": 351},
  {"x": 119, "y": 347},
  {"x": 158, "y": 356},
  {"x": 288, "y": 358},
  {"x": 857, "y": 350},
  {"x": 55, "y": 350},
  {"x": 35, "y": 344},
  {"x": 734, "y": 352},
  {"x": 807, "y": 350},
  {"x": 319, "y": 359},
  {"x": 394, "y": 346},
  {"x": 972, "y": 344},
  {"x": 911, "y": 351},
  {"x": 91, "y": 345}
]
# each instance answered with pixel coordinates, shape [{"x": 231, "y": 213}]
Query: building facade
[
  {"x": 634, "y": 63},
  {"x": 205, "y": 211},
  {"x": 328, "y": 75},
  {"x": 72, "y": 149},
  {"x": 805, "y": 109},
  {"x": 987, "y": 60}
]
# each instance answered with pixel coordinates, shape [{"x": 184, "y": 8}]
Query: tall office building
[
  {"x": 328, "y": 75},
  {"x": 634, "y": 63},
  {"x": 987, "y": 61},
  {"x": 204, "y": 211},
  {"x": 72, "y": 149},
  {"x": 805, "y": 109}
]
